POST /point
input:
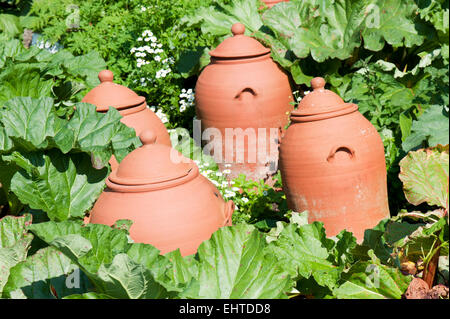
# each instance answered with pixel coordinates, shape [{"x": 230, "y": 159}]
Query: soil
[{"x": 419, "y": 289}]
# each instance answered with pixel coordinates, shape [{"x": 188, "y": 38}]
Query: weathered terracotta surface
[
  {"x": 271, "y": 3},
  {"x": 171, "y": 204},
  {"x": 333, "y": 165},
  {"x": 244, "y": 88},
  {"x": 132, "y": 107}
]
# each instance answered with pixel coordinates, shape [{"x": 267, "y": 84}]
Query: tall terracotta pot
[
  {"x": 244, "y": 91},
  {"x": 271, "y": 3},
  {"x": 333, "y": 165},
  {"x": 132, "y": 107},
  {"x": 171, "y": 205}
]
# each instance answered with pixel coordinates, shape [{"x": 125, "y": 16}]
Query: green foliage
[
  {"x": 57, "y": 165},
  {"x": 114, "y": 28},
  {"x": 37, "y": 73},
  {"x": 424, "y": 174}
]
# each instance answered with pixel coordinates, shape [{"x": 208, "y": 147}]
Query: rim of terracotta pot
[
  {"x": 108, "y": 93},
  {"x": 150, "y": 167},
  {"x": 334, "y": 112},
  {"x": 191, "y": 174},
  {"x": 129, "y": 109},
  {"x": 239, "y": 45}
]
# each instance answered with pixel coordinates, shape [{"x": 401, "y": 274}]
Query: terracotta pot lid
[
  {"x": 320, "y": 101},
  {"x": 239, "y": 45},
  {"x": 150, "y": 164},
  {"x": 108, "y": 93}
]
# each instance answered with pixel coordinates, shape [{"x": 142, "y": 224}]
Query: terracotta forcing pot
[
  {"x": 271, "y": 3},
  {"x": 333, "y": 165},
  {"x": 132, "y": 107},
  {"x": 243, "y": 92},
  {"x": 171, "y": 205}
]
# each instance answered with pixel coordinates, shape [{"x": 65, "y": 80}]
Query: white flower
[
  {"x": 227, "y": 165},
  {"x": 229, "y": 194},
  {"x": 219, "y": 174},
  {"x": 245, "y": 199},
  {"x": 147, "y": 39},
  {"x": 306, "y": 92},
  {"x": 235, "y": 189},
  {"x": 159, "y": 45},
  {"x": 133, "y": 50},
  {"x": 182, "y": 108},
  {"x": 162, "y": 116},
  {"x": 227, "y": 171},
  {"x": 153, "y": 39},
  {"x": 139, "y": 39},
  {"x": 153, "y": 44},
  {"x": 143, "y": 9}
]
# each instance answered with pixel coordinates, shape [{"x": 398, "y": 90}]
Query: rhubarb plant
[{"x": 55, "y": 165}]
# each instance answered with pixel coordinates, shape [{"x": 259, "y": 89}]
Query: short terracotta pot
[
  {"x": 132, "y": 107},
  {"x": 333, "y": 165},
  {"x": 244, "y": 91},
  {"x": 170, "y": 203},
  {"x": 271, "y": 3}
]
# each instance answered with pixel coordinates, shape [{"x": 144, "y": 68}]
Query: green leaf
[
  {"x": 424, "y": 174},
  {"x": 23, "y": 80},
  {"x": 301, "y": 251},
  {"x": 29, "y": 122},
  {"x": 101, "y": 252},
  {"x": 14, "y": 244},
  {"x": 436, "y": 12},
  {"x": 390, "y": 21},
  {"x": 96, "y": 133},
  {"x": 432, "y": 127},
  {"x": 235, "y": 263},
  {"x": 124, "y": 278},
  {"x": 64, "y": 186},
  {"x": 372, "y": 280},
  {"x": 39, "y": 273},
  {"x": 89, "y": 295}
]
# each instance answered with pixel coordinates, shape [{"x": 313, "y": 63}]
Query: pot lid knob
[
  {"x": 106, "y": 76},
  {"x": 318, "y": 83},
  {"x": 148, "y": 137},
  {"x": 239, "y": 45},
  {"x": 238, "y": 29}
]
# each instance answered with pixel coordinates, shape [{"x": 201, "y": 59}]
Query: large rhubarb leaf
[
  {"x": 33, "y": 125},
  {"x": 96, "y": 133},
  {"x": 372, "y": 280},
  {"x": 172, "y": 270},
  {"x": 14, "y": 244},
  {"x": 235, "y": 263},
  {"x": 45, "y": 275},
  {"x": 432, "y": 127},
  {"x": 34, "y": 138},
  {"x": 424, "y": 174},
  {"x": 101, "y": 252},
  {"x": 63, "y": 186},
  {"x": 303, "y": 252},
  {"x": 23, "y": 80},
  {"x": 30, "y": 123}
]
